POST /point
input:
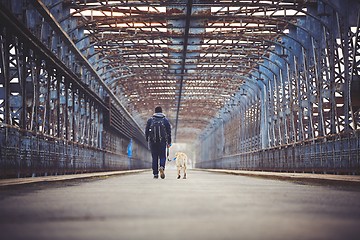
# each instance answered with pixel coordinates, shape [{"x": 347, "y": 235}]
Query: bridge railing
[
  {"x": 336, "y": 154},
  {"x": 57, "y": 116}
]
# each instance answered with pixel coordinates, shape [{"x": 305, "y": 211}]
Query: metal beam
[{"x": 186, "y": 38}]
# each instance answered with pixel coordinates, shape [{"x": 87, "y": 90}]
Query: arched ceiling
[{"x": 185, "y": 56}]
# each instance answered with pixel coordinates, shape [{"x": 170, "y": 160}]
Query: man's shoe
[
  {"x": 156, "y": 176},
  {"x": 162, "y": 174},
  {"x": 178, "y": 177}
]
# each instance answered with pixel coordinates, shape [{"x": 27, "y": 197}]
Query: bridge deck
[{"x": 204, "y": 206}]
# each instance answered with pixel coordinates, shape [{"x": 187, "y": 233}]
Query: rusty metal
[
  {"x": 252, "y": 83},
  {"x": 52, "y": 105},
  {"x": 306, "y": 112},
  {"x": 150, "y": 41}
]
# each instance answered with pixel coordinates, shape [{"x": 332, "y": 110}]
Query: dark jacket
[{"x": 166, "y": 123}]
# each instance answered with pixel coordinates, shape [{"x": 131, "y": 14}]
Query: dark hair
[{"x": 158, "y": 110}]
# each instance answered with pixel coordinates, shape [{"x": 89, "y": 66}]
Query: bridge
[{"x": 266, "y": 88}]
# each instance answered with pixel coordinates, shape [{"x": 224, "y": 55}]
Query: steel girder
[
  {"x": 309, "y": 105},
  {"x": 62, "y": 48},
  {"x": 287, "y": 72},
  {"x": 56, "y": 113},
  {"x": 175, "y": 42}
]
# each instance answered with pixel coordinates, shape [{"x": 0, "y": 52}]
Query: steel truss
[
  {"x": 168, "y": 52},
  {"x": 56, "y": 114},
  {"x": 308, "y": 91},
  {"x": 268, "y": 85}
]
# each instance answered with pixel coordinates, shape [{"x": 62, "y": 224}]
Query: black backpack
[{"x": 157, "y": 130}]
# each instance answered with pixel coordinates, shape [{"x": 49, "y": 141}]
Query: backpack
[{"x": 157, "y": 130}]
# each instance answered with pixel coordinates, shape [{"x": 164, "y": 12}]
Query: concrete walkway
[
  {"x": 204, "y": 206},
  {"x": 305, "y": 177},
  {"x": 42, "y": 179}
]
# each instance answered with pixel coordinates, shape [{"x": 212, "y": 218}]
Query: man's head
[{"x": 158, "y": 110}]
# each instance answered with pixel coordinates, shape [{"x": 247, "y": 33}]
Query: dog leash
[{"x": 167, "y": 154}]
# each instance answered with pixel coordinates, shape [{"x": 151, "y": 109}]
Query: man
[{"x": 158, "y": 134}]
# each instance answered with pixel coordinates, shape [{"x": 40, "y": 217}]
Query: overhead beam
[{"x": 186, "y": 38}]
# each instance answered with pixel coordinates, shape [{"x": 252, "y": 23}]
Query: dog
[{"x": 181, "y": 162}]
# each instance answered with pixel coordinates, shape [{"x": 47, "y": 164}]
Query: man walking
[{"x": 158, "y": 134}]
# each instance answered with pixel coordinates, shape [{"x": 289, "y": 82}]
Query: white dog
[{"x": 181, "y": 160}]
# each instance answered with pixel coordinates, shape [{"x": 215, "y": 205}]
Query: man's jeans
[{"x": 158, "y": 152}]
